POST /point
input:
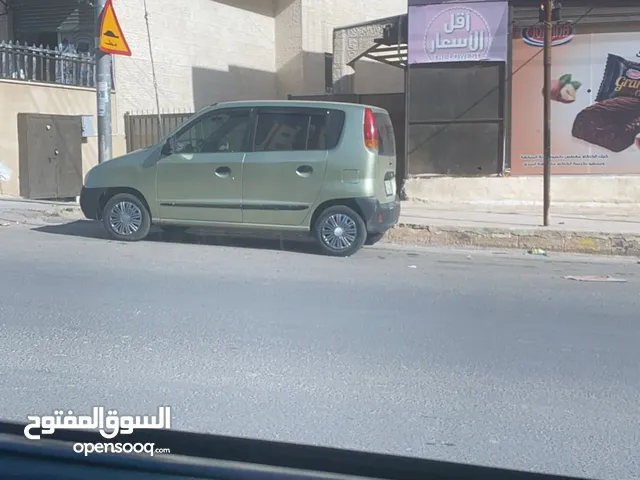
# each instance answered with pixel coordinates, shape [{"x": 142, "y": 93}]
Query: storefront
[
  {"x": 456, "y": 88},
  {"x": 475, "y": 88}
]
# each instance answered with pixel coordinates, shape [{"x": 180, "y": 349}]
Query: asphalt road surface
[{"x": 483, "y": 357}]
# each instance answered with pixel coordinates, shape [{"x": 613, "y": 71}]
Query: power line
[{"x": 153, "y": 70}]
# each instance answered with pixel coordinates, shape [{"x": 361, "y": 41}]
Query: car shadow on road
[{"x": 265, "y": 241}]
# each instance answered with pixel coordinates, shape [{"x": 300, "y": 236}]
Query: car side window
[
  {"x": 216, "y": 133},
  {"x": 281, "y": 132},
  {"x": 317, "y": 138},
  {"x": 276, "y": 132}
]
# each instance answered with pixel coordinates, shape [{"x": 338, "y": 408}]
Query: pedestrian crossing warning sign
[{"x": 112, "y": 39}]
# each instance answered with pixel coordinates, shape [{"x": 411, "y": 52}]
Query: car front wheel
[
  {"x": 340, "y": 231},
  {"x": 126, "y": 218}
]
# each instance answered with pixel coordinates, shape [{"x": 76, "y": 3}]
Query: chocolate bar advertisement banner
[
  {"x": 595, "y": 101},
  {"x": 458, "y": 32},
  {"x": 413, "y": 3}
]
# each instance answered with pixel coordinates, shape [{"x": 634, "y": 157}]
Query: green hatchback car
[{"x": 287, "y": 166}]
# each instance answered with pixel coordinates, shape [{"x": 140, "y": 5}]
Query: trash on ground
[
  {"x": 411, "y": 266},
  {"x": 594, "y": 278},
  {"x": 5, "y": 172},
  {"x": 537, "y": 251}
]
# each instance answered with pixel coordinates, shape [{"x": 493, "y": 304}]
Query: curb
[{"x": 551, "y": 240}]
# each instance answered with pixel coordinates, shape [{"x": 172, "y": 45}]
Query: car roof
[{"x": 294, "y": 103}]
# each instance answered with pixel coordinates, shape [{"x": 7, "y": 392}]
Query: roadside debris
[
  {"x": 595, "y": 278},
  {"x": 537, "y": 251},
  {"x": 5, "y": 172}
]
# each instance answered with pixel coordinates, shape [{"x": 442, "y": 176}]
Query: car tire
[
  {"x": 126, "y": 218},
  {"x": 374, "y": 238},
  {"x": 340, "y": 231}
]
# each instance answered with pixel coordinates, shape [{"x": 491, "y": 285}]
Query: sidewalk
[
  {"x": 597, "y": 228},
  {"x": 602, "y": 229},
  {"x": 34, "y": 212}
]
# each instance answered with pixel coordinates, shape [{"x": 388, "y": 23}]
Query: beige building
[
  {"x": 219, "y": 50},
  {"x": 204, "y": 51}
]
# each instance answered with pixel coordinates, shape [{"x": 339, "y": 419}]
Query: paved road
[{"x": 481, "y": 357}]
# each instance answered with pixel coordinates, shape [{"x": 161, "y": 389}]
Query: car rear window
[
  {"x": 386, "y": 134},
  {"x": 335, "y": 125}
]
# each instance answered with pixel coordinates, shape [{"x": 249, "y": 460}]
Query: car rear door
[{"x": 283, "y": 174}]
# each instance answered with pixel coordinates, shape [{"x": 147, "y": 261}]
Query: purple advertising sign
[{"x": 463, "y": 32}]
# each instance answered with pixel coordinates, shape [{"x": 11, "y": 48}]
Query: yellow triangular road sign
[{"x": 112, "y": 39}]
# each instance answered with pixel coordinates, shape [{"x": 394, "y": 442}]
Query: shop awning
[{"x": 383, "y": 40}]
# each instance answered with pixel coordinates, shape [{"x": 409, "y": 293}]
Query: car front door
[
  {"x": 283, "y": 174},
  {"x": 200, "y": 179}
]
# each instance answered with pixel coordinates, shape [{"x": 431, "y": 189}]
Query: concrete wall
[
  {"x": 375, "y": 77},
  {"x": 218, "y": 50},
  {"x": 321, "y": 17},
  {"x": 22, "y": 97},
  {"x": 205, "y": 52},
  {"x": 526, "y": 190}
]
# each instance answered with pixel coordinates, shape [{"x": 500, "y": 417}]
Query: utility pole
[
  {"x": 548, "y": 8},
  {"x": 103, "y": 90}
]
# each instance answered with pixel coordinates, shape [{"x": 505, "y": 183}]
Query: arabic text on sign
[
  {"x": 459, "y": 21},
  {"x": 474, "y": 42},
  {"x": 109, "y": 426}
]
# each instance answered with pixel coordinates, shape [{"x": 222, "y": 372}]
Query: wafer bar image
[
  {"x": 621, "y": 78},
  {"x": 612, "y": 124}
]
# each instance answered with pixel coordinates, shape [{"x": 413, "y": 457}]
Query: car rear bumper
[
  {"x": 90, "y": 202},
  {"x": 379, "y": 217}
]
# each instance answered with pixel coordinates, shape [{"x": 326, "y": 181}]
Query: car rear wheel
[
  {"x": 126, "y": 218},
  {"x": 340, "y": 231}
]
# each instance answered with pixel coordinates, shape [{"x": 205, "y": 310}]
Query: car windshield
[{"x": 403, "y": 227}]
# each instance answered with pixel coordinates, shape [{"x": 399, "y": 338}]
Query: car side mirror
[{"x": 169, "y": 147}]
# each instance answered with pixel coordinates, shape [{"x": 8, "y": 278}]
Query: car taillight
[{"x": 370, "y": 129}]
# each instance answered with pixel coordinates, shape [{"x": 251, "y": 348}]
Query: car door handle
[
  {"x": 223, "y": 172},
  {"x": 304, "y": 170}
]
